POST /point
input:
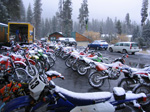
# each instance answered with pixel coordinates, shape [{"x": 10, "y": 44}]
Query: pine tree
[
  {"x": 128, "y": 23},
  {"x": 144, "y": 10},
  {"x": 13, "y": 8},
  {"x": 22, "y": 12},
  {"x": 3, "y": 13},
  {"x": 118, "y": 27},
  {"x": 37, "y": 17},
  {"x": 67, "y": 18},
  {"x": 29, "y": 14},
  {"x": 136, "y": 33},
  {"x": 83, "y": 15},
  {"x": 146, "y": 33}
]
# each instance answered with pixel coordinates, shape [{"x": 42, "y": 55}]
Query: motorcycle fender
[
  {"x": 20, "y": 62},
  {"x": 101, "y": 67},
  {"x": 32, "y": 62},
  {"x": 17, "y": 103},
  {"x": 100, "y": 107}
]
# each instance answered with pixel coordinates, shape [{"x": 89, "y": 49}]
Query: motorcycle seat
[{"x": 80, "y": 99}]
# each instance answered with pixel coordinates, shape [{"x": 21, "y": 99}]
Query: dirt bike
[
  {"x": 106, "y": 71},
  {"x": 58, "y": 99},
  {"x": 134, "y": 76},
  {"x": 85, "y": 66},
  {"x": 10, "y": 71},
  {"x": 29, "y": 63}
]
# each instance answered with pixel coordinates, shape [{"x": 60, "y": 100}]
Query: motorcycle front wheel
[
  {"x": 51, "y": 61},
  {"x": 32, "y": 70},
  {"x": 94, "y": 80},
  {"x": 82, "y": 69},
  {"x": 68, "y": 62},
  {"x": 74, "y": 66},
  {"x": 22, "y": 74},
  {"x": 127, "y": 84}
]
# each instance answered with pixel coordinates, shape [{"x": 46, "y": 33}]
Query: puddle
[{"x": 136, "y": 65}]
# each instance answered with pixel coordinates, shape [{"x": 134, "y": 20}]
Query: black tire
[
  {"x": 94, "y": 81},
  {"x": 57, "y": 53},
  {"x": 68, "y": 62},
  {"x": 74, "y": 66},
  {"x": 51, "y": 61},
  {"x": 46, "y": 66},
  {"x": 126, "y": 84},
  {"x": 32, "y": 71},
  {"x": 143, "y": 89},
  {"x": 81, "y": 70},
  {"x": 22, "y": 75},
  {"x": 38, "y": 66},
  {"x": 110, "y": 49},
  {"x": 133, "y": 53},
  {"x": 124, "y": 51}
]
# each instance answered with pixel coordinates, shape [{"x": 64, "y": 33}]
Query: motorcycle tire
[
  {"x": 126, "y": 84},
  {"x": 94, "y": 81},
  {"x": 45, "y": 65},
  {"x": 39, "y": 66},
  {"x": 51, "y": 61},
  {"x": 81, "y": 69},
  {"x": 142, "y": 88},
  {"x": 32, "y": 71},
  {"x": 57, "y": 53},
  {"x": 68, "y": 62},
  {"x": 74, "y": 66},
  {"x": 22, "y": 75}
]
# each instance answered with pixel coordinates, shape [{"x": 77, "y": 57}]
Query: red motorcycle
[
  {"x": 29, "y": 63},
  {"x": 106, "y": 71},
  {"x": 8, "y": 69}
]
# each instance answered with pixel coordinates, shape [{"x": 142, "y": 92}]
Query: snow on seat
[{"x": 84, "y": 98}]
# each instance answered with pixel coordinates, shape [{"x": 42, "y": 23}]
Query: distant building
[
  {"x": 78, "y": 37},
  {"x": 54, "y": 36}
]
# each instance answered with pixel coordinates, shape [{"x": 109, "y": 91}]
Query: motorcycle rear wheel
[
  {"x": 143, "y": 89},
  {"x": 94, "y": 81},
  {"x": 126, "y": 84}
]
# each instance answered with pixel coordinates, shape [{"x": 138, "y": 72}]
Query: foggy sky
[{"x": 98, "y": 9}]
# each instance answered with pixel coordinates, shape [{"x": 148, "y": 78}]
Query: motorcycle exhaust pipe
[{"x": 101, "y": 78}]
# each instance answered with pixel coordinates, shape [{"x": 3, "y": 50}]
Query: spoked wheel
[
  {"x": 94, "y": 80},
  {"x": 22, "y": 74},
  {"x": 68, "y": 62},
  {"x": 51, "y": 61},
  {"x": 143, "y": 89},
  {"x": 39, "y": 66},
  {"x": 32, "y": 70},
  {"x": 82, "y": 69},
  {"x": 46, "y": 66},
  {"x": 127, "y": 84},
  {"x": 74, "y": 66}
]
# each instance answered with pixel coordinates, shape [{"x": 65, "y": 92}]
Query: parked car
[
  {"x": 124, "y": 47},
  {"x": 67, "y": 41},
  {"x": 98, "y": 44}
]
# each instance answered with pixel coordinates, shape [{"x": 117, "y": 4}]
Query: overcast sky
[{"x": 98, "y": 9}]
